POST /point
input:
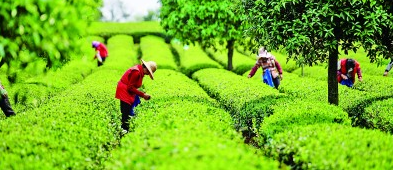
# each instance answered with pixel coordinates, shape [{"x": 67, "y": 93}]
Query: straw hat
[
  {"x": 151, "y": 67},
  {"x": 263, "y": 55}
]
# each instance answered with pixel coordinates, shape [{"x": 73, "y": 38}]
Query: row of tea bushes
[
  {"x": 378, "y": 115},
  {"x": 248, "y": 101},
  {"x": 77, "y": 128},
  {"x": 122, "y": 53},
  {"x": 74, "y": 129},
  {"x": 332, "y": 146},
  {"x": 193, "y": 58},
  {"x": 302, "y": 132},
  {"x": 181, "y": 128},
  {"x": 35, "y": 91},
  {"x": 113, "y": 28},
  {"x": 155, "y": 49}
]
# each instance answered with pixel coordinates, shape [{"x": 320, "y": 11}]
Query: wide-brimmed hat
[
  {"x": 151, "y": 67},
  {"x": 263, "y": 55}
]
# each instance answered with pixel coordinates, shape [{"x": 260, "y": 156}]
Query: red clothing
[
  {"x": 102, "y": 49},
  {"x": 129, "y": 83},
  {"x": 343, "y": 70},
  {"x": 268, "y": 65}
]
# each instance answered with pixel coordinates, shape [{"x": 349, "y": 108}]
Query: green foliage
[
  {"x": 74, "y": 130},
  {"x": 34, "y": 31},
  {"x": 312, "y": 29},
  {"x": 201, "y": 21},
  {"x": 332, "y": 146},
  {"x": 193, "y": 58},
  {"x": 121, "y": 53},
  {"x": 241, "y": 62},
  {"x": 379, "y": 115},
  {"x": 155, "y": 49},
  {"x": 204, "y": 22},
  {"x": 286, "y": 115},
  {"x": 181, "y": 128},
  {"x": 246, "y": 100},
  {"x": 113, "y": 28}
]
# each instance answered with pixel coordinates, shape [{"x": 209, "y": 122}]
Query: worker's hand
[
  {"x": 360, "y": 79},
  {"x": 4, "y": 92},
  {"x": 385, "y": 73},
  {"x": 249, "y": 76},
  {"x": 344, "y": 77},
  {"x": 146, "y": 97},
  {"x": 281, "y": 76}
]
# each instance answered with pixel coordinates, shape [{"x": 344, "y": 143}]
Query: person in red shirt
[
  {"x": 269, "y": 64},
  {"x": 127, "y": 89},
  {"x": 346, "y": 70},
  {"x": 102, "y": 52}
]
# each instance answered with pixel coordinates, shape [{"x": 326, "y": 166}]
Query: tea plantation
[{"x": 201, "y": 116}]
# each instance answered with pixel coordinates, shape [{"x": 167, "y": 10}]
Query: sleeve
[
  {"x": 359, "y": 72},
  {"x": 253, "y": 70},
  {"x": 278, "y": 66},
  {"x": 389, "y": 66},
  {"x": 134, "y": 76}
]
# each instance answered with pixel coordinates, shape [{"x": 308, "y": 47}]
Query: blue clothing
[
  {"x": 347, "y": 82},
  {"x": 137, "y": 101},
  {"x": 267, "y": 78}
]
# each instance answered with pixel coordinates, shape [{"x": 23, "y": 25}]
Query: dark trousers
[
  {"x": 101, "y": 63},
  {"x": 276, "y": 82},
  {"x": 125, "y": 110},
  {"x": 6, "y": 106}
]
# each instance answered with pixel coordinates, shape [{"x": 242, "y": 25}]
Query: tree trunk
[
  {"x": 332, "y": 77},
  {"x": 230, "y": 47}
]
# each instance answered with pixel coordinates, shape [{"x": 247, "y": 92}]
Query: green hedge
[
  {"x": 122, "y": 53},
  {"x": 332, "y": 146},
  {"x": 36, "y": 90},
  {"x": 113, "y": 28},
  {"x": 193, "y": 58},
  {"x": 286, "y": 115},
  {"x": 247, "y": 100},
  {"x": 180, "y": 128},
  {"x": 75, "y": 129},
  {"x": 155, "y": 49},
  {"x": 379, "y": 115}
]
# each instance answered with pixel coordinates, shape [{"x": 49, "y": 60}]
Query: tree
[
  {"x": 42, "y": 30},
  {"x": 204, "y": 22},
  {"x": 313, "y": 30}
]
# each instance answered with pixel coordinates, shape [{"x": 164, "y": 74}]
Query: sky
[{"x": 127, "y": 10}]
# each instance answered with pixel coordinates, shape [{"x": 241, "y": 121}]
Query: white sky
[{"x": 115, "y": 9}]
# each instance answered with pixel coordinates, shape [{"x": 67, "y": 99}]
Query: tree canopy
[
  {"x": 209, "y": 23},
  {"x": 43, "y": 30},
  {"x": 314, "y": 30}
]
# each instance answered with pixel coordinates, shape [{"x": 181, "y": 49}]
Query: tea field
[{"x": 201, "y": 116}]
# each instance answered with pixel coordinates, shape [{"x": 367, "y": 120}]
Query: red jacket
[
  {"x": 102, "y": 49},
  {"x": 343, "y": 70},
  {"x": 129, "y": 83}
]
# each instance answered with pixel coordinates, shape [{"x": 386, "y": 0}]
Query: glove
[{"x": 3, "y": 92}]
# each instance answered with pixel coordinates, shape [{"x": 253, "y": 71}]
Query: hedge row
[
  {"x": 332, "y": 146},
  {"x": 155, "y": 49},
  {"x": 36, "y": 90},
  {"x": 193, "y": 58},
  {"x": 379, "y": 115},
  {"x": 248, "y": 101},
  {"x": 75, "y": 129},
  {"x": 122, "y": 53},
  {"x": 181, "y": 128}
]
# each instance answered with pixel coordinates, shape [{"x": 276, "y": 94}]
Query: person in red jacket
[
  {"x": 127, "y": 89},
  {"x": 346, "y": 70},
  {"x": 102, "y": 52}
]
